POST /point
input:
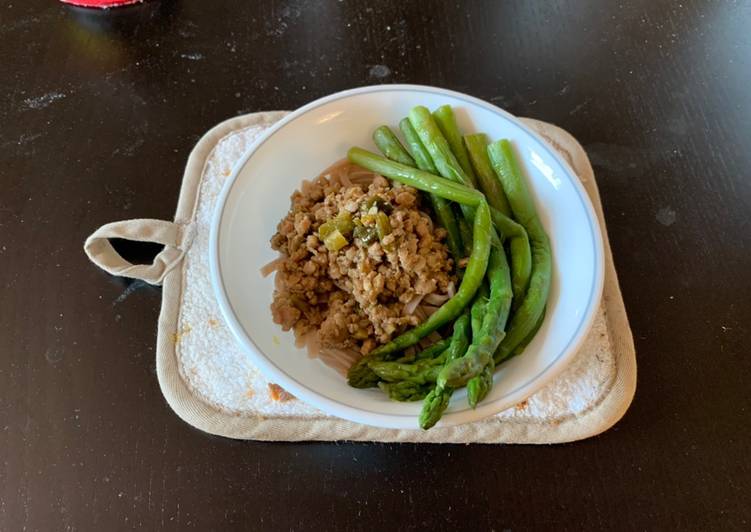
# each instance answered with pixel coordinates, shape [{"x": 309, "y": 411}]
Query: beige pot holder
[{"x": 211, "y": 384}]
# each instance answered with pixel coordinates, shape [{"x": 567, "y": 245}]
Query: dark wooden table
[{"x": 98, "y": 112}]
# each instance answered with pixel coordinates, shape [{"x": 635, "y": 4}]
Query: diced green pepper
[
  {"x": 385, "y": 206},
  {"x": 325, "y": 230},
  {"x": 383, "y": 226},
  {"x": 379, "y": 203},
  {"x": 335, "y": 241},
  {"x": 360, "y": 334},
  {"x": 343, "y": 222},
  {"x": 366, "y": 233}
]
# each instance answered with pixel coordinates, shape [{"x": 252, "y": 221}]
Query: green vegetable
[
  {"x": 471, "y": 281},
  {"x": 434, "y": 350},
  {"x": 335, "y": 241},
  {"x": 426, "y": 375},
  {"x": 448, "y": 166},
  {"x": 447, "y": 163},
  {"x": 429, "y": 352},
  {"x": 520, "y": 348},
  {"x": 342, "y": 223},
  {"x": 446, "y": 121},
  {"x": 441, "y": 207},
  {"x": 459, "y": 337},
  {"x": 418, "y": 179},
  {"x": 529, "y": 311},
  {"x": 501, "y": 155},
  {"x": 465, "y": 229},
  {"x": 366, "y": 233},
  {"x": 399, "y": 371},
  {"x": 521, "y": 259},
  {"x": 478, "y": 309},
  {"x": 416, "y": 148},
  {"x": 486, "y": 179},
  {"x": 360, "y": 375},
  {"x": 433, "y": 406},
  {"x": 325, "y": 230},
  {"x": 438, "y": 146},
  {"x": 375, "y": 215},
  {"x": 383, "y": 226},
  {"x": 390, "y": 146},
  {"x": 405, "y": 390},
  {"x": 379, "y": 203},
  {"x": 521, "y": 254},
  {"x": 458, "y": 372},
  {"x": 440, "y": 151},
  {"x": 437, "y": 400},
  {"x": 479, "y": 387}
]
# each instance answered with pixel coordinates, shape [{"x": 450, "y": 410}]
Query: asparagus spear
[
  {"x": 429, "y": 352},
  {"x": 390, "y": 146},
  {"x": 437, "y": 400},
  {"x": 458, "y": 372},
  {"x": 531, "y": 308},
  {"x": 479, "y": 387},
  {"x": 404, "y": 390},
  {"x": 416, "y": 371},
  {"x": 446, "y": 121},
  {"x": 361, "y": 376},
  {"x": 488, "y": 182},
  {"x": 441, "y": 207},
  {"x": 478, "y": 309}
]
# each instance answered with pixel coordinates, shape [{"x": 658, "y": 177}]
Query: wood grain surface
[{"x": 98, "y": 112}]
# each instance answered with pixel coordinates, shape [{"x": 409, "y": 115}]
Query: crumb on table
[
  {"x": 277, "y": 393},
  {"x": 179, "y": 334}
]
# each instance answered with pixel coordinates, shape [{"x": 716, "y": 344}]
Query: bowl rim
[{"x": 402, "y": 421}]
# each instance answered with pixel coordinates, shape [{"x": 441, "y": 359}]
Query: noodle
[
  {"x": 279, "y": 283},
  {"x": 410, "y": 307},
  {"x": 436, "y": 299},
  {"x": 362, "y": 180},
  {"x": 428, "y": 309},
  {"x": 344, "y": 178},
  {"x": 273, "y": 265},
  {"x": 338, "y": 359},
  {"x": 313, "y": 343}
]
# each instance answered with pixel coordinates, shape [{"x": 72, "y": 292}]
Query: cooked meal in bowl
[{"x": 418, "y": 272}]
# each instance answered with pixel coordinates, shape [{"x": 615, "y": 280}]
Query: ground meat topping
[{"x": 354, "y": 255}]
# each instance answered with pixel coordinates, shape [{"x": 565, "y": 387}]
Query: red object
[{"x": 101, "y": 4}]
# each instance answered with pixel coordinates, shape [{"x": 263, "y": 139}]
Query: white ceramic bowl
[{"x": 256, "y": 197}]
